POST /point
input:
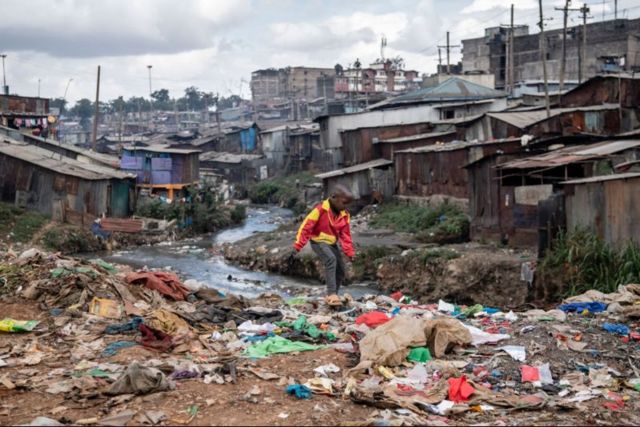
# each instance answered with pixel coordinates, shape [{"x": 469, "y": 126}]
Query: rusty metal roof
[
  {"x": 524, "y": 119},
  {"x": 415, "y": 137},
  {"x": 455, "y": 145},
  {"x": 60, "y": 164},
  {"x": 453, "y": 89},
  {"x": 224, "y": 157},
  {"x": 602, "y": 178},
  {"x": 574, "y": 154},
  {"x": 160, "y": 149},
  {"x": 356, "y": 168}
]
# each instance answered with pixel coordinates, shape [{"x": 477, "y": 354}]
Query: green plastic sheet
[{"x": 274, "y": 345}]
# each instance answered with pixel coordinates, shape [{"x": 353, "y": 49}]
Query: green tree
[
  {"x": 193, "y": 98},
  {"x": 162, "y": 100},
  {"x": 84, "y": 110}
]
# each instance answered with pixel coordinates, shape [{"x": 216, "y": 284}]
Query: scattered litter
[
  {"x": 516, "y": 352},
  {"x": 300, "y": 391}
]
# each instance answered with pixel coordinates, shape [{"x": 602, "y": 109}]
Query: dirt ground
[{"x": 244, "y": 404}]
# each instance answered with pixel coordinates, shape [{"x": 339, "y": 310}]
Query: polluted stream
[{"x": 191, "y": 259}]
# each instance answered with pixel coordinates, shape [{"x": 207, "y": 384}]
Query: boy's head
[{"x": 341, "y": 197}]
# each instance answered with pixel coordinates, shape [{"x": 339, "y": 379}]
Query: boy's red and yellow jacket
[{"x": 323, "y": 226}]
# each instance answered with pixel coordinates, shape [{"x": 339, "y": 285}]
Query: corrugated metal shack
[
  {"x": 363, "y": 180},
  {"x": 603, "y": 120},
  {"x": 605, "y": 89},
  {"x": 438, "y": 170},
  {"x": 62, "y": 187},
  {"x": 528, "y": 185},
  {"x": 239, "y": 139},
  {"x": 608, "y": 205},
  {"x": 236, "y": 168},
  {"x": 304, "y": 144},
  {"x": 160, "y": 168},
  {"x": 357, "y": 144},
  {"x": 387, "y": 147},
  {"x": 23, "y": 111},
  {"x": 368, "y": 143},
  {"x": 67, "y": 150}
]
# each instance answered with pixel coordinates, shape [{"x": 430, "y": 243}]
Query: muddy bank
[
  {"x": 476, "y": 275},
  {"x": 465, "y": 273}
]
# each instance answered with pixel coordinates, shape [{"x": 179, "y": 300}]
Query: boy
[{"x": 326, "y": 225}]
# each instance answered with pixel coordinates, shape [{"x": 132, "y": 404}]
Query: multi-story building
[
  {"x": 379, "y": 77},
  {"x": 611, "y": 46},
  {"x": 292, "y": 83}
]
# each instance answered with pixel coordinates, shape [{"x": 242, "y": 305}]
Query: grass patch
[
  {"x": 70, "y": 240},
  {"x": 443, "y": 224},
  {"x": 19, "y": 225},
  {"x": 437, "y": 253},
  {"x": 282, "y": 191},
  {"x": 583, "y": 261}
]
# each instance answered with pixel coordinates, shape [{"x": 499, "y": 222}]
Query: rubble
[{"x": 414, "y": 362}]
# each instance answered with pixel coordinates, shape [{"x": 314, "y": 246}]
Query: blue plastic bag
[
  {"x": 593, "y": 307},
  {"x": 616, "y": 328},
  {"x": 300, "y": 391}
]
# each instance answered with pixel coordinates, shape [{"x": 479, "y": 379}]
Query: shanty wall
[
  {"x": 358, "y": 147},
  {"x": 609, "y": 208},
  {"x": 363, "y": 183},
  {"x": 431, "y": 173},
  {"x": 387, "y": 150},
  {"x": 484, "y": 197},
  {"x": 273, "y": 147},
  {"x": 52, "y": 193},
  {"x": 605, "y": 91},
  {"x": 22, "y": 104},
  {"x": 606, "y": 122},
  {"x": 161, "y": 168}
]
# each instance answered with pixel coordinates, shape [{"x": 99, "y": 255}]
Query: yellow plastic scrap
[
  {"x": 386, "y": 373},
  {"x": 12, "y": 325}
]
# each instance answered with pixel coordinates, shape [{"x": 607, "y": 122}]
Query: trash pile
[{"x": 107, "y": 334}]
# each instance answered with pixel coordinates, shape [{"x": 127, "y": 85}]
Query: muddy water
[{"x": 192, "y": 259}]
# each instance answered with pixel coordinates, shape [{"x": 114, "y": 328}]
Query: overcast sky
[{"x": 215, "y": 44}]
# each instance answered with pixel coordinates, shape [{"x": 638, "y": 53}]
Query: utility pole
[
  {"x": 218, "y": 112},
  {"x": 5, "y": 88},
  {"x": 150, "y": 98},
  {"x": 615, "y": 10},
  {"x": 121, "y": 99},
  {"x": 39, "y": 88},
  {"x": 97, "y": 112},
  {"x": 543, "y": 54},
  {"x": 583, "y": 57},
  {"x": 563, "y": 64},
  {"x": 510, "y": 57},
  {"x": 439, "y": 60},
  {"x": 448, "y": 47}
]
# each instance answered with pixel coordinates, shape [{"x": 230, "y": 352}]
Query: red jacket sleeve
[
  {"x": 306, "y": 228},
  {"x": 345, "y": 239}
]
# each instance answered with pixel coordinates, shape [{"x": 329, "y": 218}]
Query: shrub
[
  {"x": 583, "y": 261},
  {"x": 238, "y": 214}
]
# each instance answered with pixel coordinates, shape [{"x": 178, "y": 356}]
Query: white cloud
[
  {"x": 485, "y": 5},
  {"x": 78, "y": 28}
]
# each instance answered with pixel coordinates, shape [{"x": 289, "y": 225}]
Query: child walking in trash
[{"x": 326, "y": 225}]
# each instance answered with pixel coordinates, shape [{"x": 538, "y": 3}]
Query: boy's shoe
[{"x": 333, "y": 300}]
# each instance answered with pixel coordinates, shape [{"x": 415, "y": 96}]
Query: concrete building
[
  {"x": 612, "y": 46},
  {"x": 300, "y": 83},
  {"x": 379, "y": 77}
]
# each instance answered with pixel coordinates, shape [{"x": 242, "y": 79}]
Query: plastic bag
[{"x": 12, "y": 325}]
